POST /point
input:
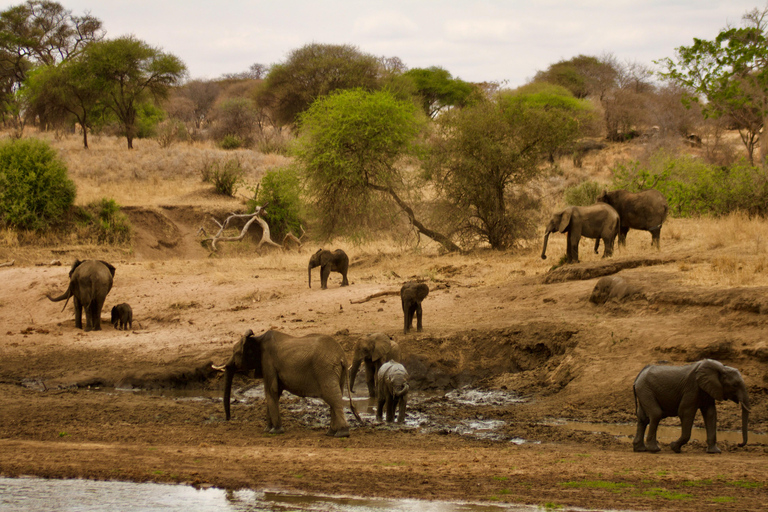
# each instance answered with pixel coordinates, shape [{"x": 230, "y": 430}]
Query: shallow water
[{"x": 42, "y": 495}]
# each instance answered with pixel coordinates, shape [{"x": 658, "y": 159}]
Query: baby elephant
[
  {"x": 411, "y": 295},
  {"x": 122, "y": 316},
  {"x": 392, "y": 390}
]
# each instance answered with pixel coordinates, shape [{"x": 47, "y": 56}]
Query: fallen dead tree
[{"x": 249, "y": 218}]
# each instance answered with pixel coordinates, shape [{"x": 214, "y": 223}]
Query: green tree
[
  {"x": 731, "y": 73},
  {"x": 311, "y": 72},
  {"x": 130, "y": 72},
  {"x": 487, "y": 152},
  {"x": 280, "y": 191},
  {"x": 438, "y": 90},
  {"x": 350, "y": 145},
  {"x": 585, "y": 76}
]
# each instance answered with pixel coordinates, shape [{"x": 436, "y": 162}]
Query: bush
[
  {"x": 280, "y": 190},
  {"x": 693, "y": 187},
  {"x": 105, "y": 222},
  {"x": 35, "y": 191},
  {"x": 225, "y": 177},
  {"x": 231, "y": 142},
  {"x": 583, "y": 194},
  {"x": 171, "y": 131}
]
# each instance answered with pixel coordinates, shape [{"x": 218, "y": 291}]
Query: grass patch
[
  {"x": 724, "y": 499},
  {"x": 745, "y": 484},
  {"x": 697, "y": 483},
  {"x": 658, "y": 492},
  {"x": 596, "y": 484}
]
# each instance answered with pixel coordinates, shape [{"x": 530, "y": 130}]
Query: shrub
[
  {"x": 171, "y": 131},
  {"x": 583, "y": 194},
  {"x": 105, "y": 222},
  {"x": 35, "y": 191},
  {"x": 231, "y": 142},
  {"x": 225, "y": 177},
  {"x": 280, "y": 190}
]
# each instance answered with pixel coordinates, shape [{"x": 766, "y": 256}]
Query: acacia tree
[
  {"x": 731, "y": 73},
  {"x": 438, "y": 90},
  {"x": 350, "y": 145},
  {"x": 486, "y": 153},
  {"x": 130, "y": 72}
]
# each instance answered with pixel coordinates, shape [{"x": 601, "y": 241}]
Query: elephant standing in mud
[
  {"x": 599, "y": 221},
  {"x": 308, "y": 366},
  {"x": 664, "y": 391},
  {"x": 336, "y": 261},
  {"x": 392, "y": 391},
  {"x": 646, "y": 210},
  {"x": 89, "y": 283},
  {"x": 411, "y": 296},
  {"x": 373, "y": 350}
]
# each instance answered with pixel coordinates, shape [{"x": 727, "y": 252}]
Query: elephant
[
  {"x": 594, "y": 221},
  {"x": 664, "y": 391},
  {"x": 374, "y": 350},
  {"x": 646, "y": 210},
  {"x": 89, "y": 283},
  {"x": 411, "y": 295},
  {"x": 122, "y": 316},
  {"x": 614, "y": 288},
  {"x": 336, "y": 261},
  {"x": 309, "y": 366},
  {"x": 392, "y": 391}
]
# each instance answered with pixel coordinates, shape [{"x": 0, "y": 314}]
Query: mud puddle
[
  {"x": 42, "y": 495},
  {"x": 665, "y": 434}
]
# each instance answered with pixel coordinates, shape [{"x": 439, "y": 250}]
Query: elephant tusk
[
  {"x": 219, "y": 368},
  {"x": 745, "y": 407}
]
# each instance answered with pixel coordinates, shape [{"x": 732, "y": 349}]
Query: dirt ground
[{"x": 492, "y": 321}]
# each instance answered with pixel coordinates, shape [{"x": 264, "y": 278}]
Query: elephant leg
[
  {"x": 380, "y": 408},
  {"x": 78, "y": 313},
  {"x": 653, "y": 414},
  {"x": 95, "y": 308},
  {"x": 686, "y": 420},
  {"x": 370, "y": 375},
  {"x": 90, "y": 318},
  {"x": 401, "y": 410},
  {"x": 325, "y": 272},
  {"x": 710, "y": 422},
  {"x": 410, "y": 309},
  {"x": 656, "y": 237},
  {"x": 623, "y": 236},
  {"x": 418, "y": 317},
  {"x": 638, "y": 444},
  {"x": 391, "y": 407},
  {"x": 344, "y": 281},
  {"x": 272, "y": 396},
  {"x": 608, "y": 247},
  {"x": 331, "y": 393}
]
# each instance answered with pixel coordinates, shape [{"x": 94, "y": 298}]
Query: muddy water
[{"x": 41, "y": 495}]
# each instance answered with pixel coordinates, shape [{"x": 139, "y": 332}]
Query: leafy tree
[
  {"x": 487, "y": 152},
  {"x": 585, "y": 76},
  {"x": 202, "y": 95},
  {"x": 235, "y": 118},
  {"x": 311, "y": 72},
  {"x": 280, "y": 190},
  {"x": 130, "y": 72},
  {"x": 438, "y": 90},
  {"x": 35, "y": 190},
  {"x": 731, "y": 73},
  {"x": 350, "y": 146}
]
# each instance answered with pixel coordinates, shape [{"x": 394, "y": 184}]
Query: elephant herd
[{"x": 614, "y": 214}]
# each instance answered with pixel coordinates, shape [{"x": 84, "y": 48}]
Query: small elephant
[
  {"x": 336, "y": 261},
  {"x": 374, "y": 350},
  {"x": 392, "y": 391},
  {"x": 665, "y": 391},
  {"x": 411, "y": 295},
  {"x": 646, "y": 210},
  {"x": 312, "y": 365},
  {"x": 594, "y": 221},
  {"x": 614, "y": 288},
  {"x": 89, "y": 283},
  {"x": 122, "y": 316}
]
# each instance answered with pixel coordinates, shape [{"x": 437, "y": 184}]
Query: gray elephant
[
  {"x": 122, "y": 316},
  {"x": 646, "y": 210},
  {"x": 336, "y": 261},
  {"x": 599, "y": 221},
  {"x": 411, "y": 296},
  {"x": 665, "y": 391},
  {"x": 392, "y": 391},
  {"x": 614, "y": 288},
  {"x": 89, "y": 283},
  {"x": 374, "y": 350},
  {"x": 312, "y": 365}
]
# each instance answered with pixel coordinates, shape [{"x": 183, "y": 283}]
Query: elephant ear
[
  {"x": 110, "y": 267},
  {"x": 565, "y": 219},
  {"x": 708, "y": 378},
  {"x": 380, "y": 350}
]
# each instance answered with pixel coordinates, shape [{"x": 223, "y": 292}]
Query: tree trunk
[{"x": 764, "y": 144}]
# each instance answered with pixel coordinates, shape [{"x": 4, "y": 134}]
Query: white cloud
[{"x": 384, "y": 25}]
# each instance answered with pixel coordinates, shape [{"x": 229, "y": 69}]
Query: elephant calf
[
  {"x": 122, "y": 316},
  {"x": 411, "y": 295},
  {"x": 336, "y": 261},
  {"x": 373, "y": 350},
  {"x": 595, "y": 221},
  {"x": 392, "y": 391}
]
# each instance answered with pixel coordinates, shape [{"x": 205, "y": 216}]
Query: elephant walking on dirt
[
  {"x": 336, "y": 261},
  {"x": 89, "y": 283},
  {"x": 664, "y": 391},
  {"x": 599, "y": 221},
  {"x": 411, "y": 296},
  {"x": 373, "y": 350},
  {"x": 392, "y": 391},
  {"x": 646, "y": 210},
  {"x": 309, "y": 366}
]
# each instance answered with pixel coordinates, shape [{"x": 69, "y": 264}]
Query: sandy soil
[{"x": 492, "y": 321}]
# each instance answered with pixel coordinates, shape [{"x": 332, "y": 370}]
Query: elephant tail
[{"x": 345, "y": 378}]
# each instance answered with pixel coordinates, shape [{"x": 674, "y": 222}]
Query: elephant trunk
[
  {"x": 744, "y": 401},
  {"x": 309, "y": 276},
  {"x": 544, "y": 250},
  {"x": 229, "y": 375}
]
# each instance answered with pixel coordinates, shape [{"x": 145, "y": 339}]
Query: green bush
[
  {"x": 35, "y": 191},
  {"x": 148, "y": 117},
  {"x": 583, "y": 194},
  {"x": 104, "y": 220},
  {"x": 693, "y": 187},
  {"x": 280, "y": 190},
  {"x": 231, "y": 142},
  {"x": 225, "y": 176}
]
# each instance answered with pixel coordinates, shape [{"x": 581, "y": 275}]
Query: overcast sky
[{"x": 492, "y": 40}]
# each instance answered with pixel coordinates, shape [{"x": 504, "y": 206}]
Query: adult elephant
[
  {"x": 89, "y": 283},
  {"x": 411, "y": 296},
  {"x": 664, "y": 391},
  {"x": 599, "y": 221},
  {"x": 646, "y": 210},
  {"x": 312, "y": 365},
  {"x": 373, "y": 350},
  {"x": 336, "y": 261}
]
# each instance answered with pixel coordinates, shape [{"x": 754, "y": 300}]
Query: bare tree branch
[{"x": 252, "y": 217}]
